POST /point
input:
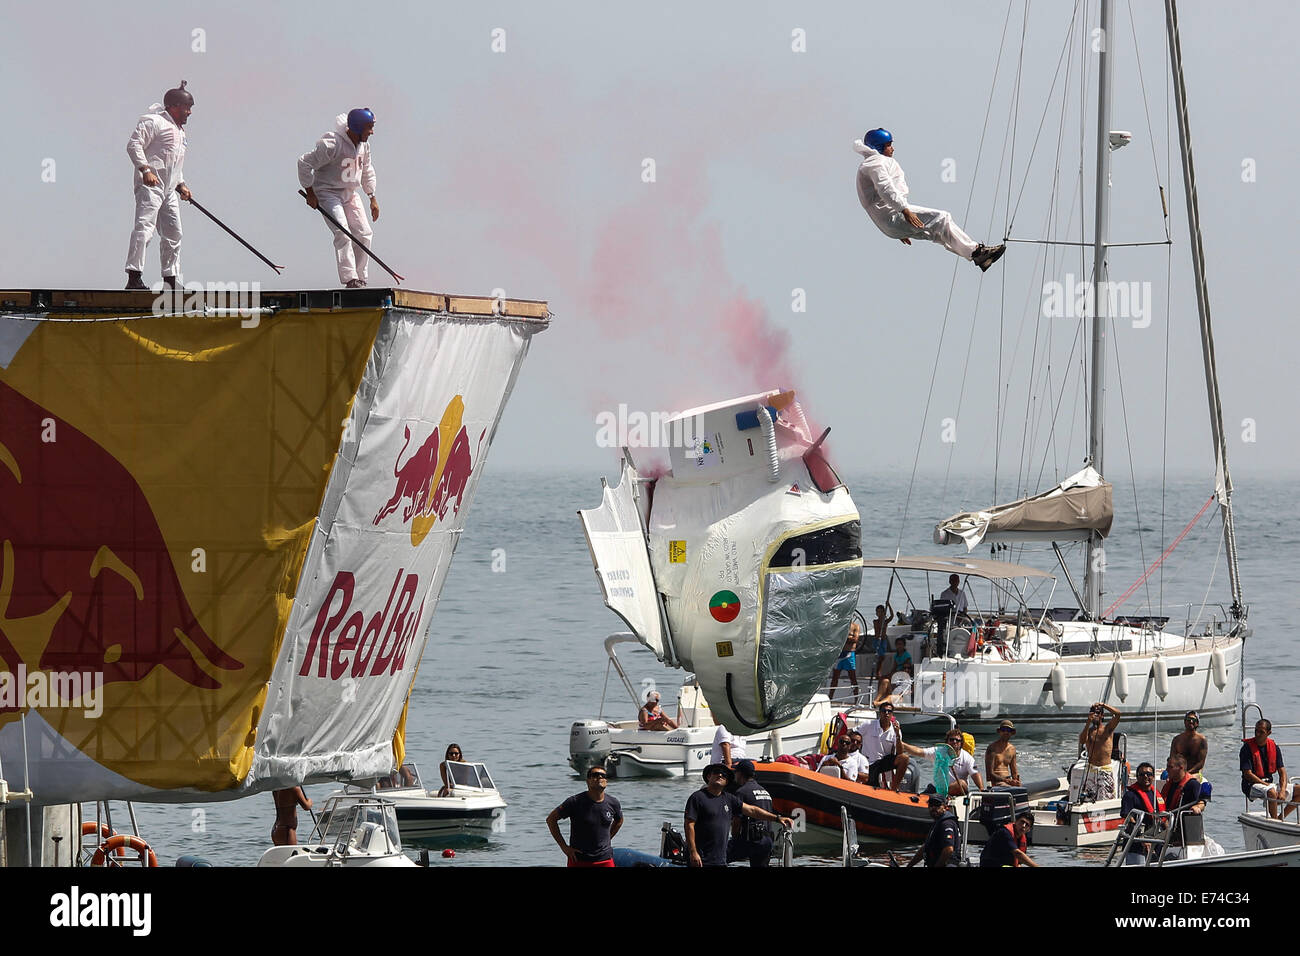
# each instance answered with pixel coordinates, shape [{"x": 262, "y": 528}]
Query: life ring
[
  {"x": 120, "y": 841},
  {"x": 105, "y": 832}
]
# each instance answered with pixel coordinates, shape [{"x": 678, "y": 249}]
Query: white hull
[
  {"x": 1261, "y": 832},
  {"x": 986, "y": 689},
  {"x": 686, "y": 751}
]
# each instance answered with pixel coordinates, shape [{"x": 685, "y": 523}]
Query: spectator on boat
[
  {"x": 899, "y": 680},
  {"x": 1142, "y": 796},
  {"x": 1008, "y": 844},
  {"x": 848, "y": 661},
  {"x": 941, "y": 842},
  {"x": 1261, "y": 762},
  {"x": 1095, "y": 779},
  {"x": 882, "y": 190},
  {"x": 709, "y": 813},
  {"x": 1000, "y": 758},
  {"x": 284, "y": 832},
  {"x": 954, "y": 595},
  {"x": 727, "y": 748},
  {"x": 880, "y": 745},
  {"x": 1191, "y": 745},
  {"x": 595, "y": 817},
  {"x": 1181, "y": 794},
  {"x": 453, "y": 754},
  {"x": 845, "y": 762},
  {"x": 157, "y": 151},
  {"x": 652, "y": 716},
  {"x": 750, "y": 839},
  {"x": 330, "y": 175},
  {"x": 961, "y": 769},
  {"x": 880, "y": 636}
]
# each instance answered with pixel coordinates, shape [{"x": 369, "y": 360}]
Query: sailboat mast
[
  {"x": 1222, "y": 478},
  {"x": 1101, "y": 233}
]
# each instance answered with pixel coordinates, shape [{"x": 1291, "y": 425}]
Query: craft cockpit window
[
  {"x": 469, "y": 775},
  {"x": 833, "y": 545}
]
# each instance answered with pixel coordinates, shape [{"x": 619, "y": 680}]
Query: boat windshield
[
  {"x": 469, "y": 775},
  {"x": 358, "y": 825}
]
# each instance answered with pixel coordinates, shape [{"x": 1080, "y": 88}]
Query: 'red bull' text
[{"x": 378, "y": 644}]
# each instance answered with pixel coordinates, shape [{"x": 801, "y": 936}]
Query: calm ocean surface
[{"x": 515, "y": 656}]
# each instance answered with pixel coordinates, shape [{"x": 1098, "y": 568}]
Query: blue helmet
[
  {"x": 878, "y": 139},
  {"x": 359, "y": 119}
]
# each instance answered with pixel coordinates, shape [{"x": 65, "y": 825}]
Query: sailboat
[{"x": 1000, "y": 650}]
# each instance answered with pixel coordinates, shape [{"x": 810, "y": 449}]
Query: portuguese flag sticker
[{"x": 724, "y": 606}]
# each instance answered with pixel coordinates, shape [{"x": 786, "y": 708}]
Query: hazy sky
[{"x": 525, "y": 169}]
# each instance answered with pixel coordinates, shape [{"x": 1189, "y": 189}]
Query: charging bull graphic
[
  {"x": 86, "y": 580},
  {"x": 435, "y": 477}
]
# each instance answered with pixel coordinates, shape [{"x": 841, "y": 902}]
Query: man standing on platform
[
  {"x": 708, "y": 816},
  {"x": 157, "y": 151},
  {"x": 330, "y": 175}
]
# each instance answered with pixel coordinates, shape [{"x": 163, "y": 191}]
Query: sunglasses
[
  {"x": 1146, "y": 773},
  {"x": 1005, "y": 730},
  {"x": 597, "y": 776}
]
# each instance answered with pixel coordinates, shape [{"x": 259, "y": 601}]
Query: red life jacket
[
  {"x": 1172, "y": 798},
  {"x": 1151, "y": 808},
  {"x": 1256, "y": 759},
  {"x": 1021, "y": 843}
]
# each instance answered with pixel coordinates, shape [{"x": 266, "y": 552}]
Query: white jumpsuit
[
  {"x": 882, "y": 190},
  {"x": 334, "y": 170},
  {"x": 157, "y": 142}
]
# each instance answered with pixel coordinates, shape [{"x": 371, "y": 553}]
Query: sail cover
[
  {"x": 1079, "y": 505},
  {"x": 618, "y": 553}
]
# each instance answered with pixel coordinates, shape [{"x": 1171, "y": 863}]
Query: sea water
[{"x": 515, "y": 656}]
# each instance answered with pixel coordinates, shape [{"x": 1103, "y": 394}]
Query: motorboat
[
  {"x": 881, "y": 815},
  {"x": 627, "y": 750},
  {"x": 1197, "y": 849},
  {"x": 1261, "y": 830},
  {"x": 353, "y": 830},
  {"x": 471, "y": 809}
]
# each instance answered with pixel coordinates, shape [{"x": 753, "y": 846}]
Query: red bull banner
[{"x": 222, "y": 541}]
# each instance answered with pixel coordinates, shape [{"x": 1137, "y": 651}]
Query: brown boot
[
  {"x": 133, "y": 281},
  {"x": 170, "y": 282}
]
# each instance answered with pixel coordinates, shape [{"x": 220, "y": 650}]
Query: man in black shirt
[
  {"x": 595, "y": 817},
  {"x": 1006, "y": 845},
  {"x": 709, "y": 812},
  {"x": 941, "y": 842},
  {"x": 751, "y": 839}
]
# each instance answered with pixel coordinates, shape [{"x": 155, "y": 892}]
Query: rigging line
[
  {"x": 934, "y": 371},
  {"x": 1128, "y": 442},
  {"x": 1155, "y": 162},
  {"x": 1159, "y": 561},
  {"x": 1169, "y": 305},
  {"x": 1002, "y": 277},
  {"x": 1209, "y": 587},
  {"x": 1043, "y": 119}
]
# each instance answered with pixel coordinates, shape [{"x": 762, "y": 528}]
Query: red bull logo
[
  {"x": 434, "y": 479},
  {"x": 86, "y": 579}
]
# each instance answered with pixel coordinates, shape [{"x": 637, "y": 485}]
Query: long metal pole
[
  {"x": 1223, "y": 480},
  {"x": 1097, "y": 405}
]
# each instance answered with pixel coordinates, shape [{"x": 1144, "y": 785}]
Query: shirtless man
[
  {"x": 847, "y": 662},
  {"x": 1000, "y": 758},
  {"x": 1191, "y": 745},
  {"x": 287, "y": 802},
  {"x": 1095, "y": 744},
  {"x": 652, "y": 717}
]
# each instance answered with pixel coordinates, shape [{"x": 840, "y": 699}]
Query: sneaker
[
  {"x": 133, "y": 281},
  {"x": 984, "y": 256},
  {"x": 354, "y": 284}
]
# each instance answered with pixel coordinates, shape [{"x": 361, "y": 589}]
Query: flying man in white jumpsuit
[
  {"x": 330, "y": 175},
  {"x": 157, "y": 151},
  {"x": 882, "y": 190}
]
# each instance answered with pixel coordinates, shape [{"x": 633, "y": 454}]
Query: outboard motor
[{"x": 588, "y": 744}]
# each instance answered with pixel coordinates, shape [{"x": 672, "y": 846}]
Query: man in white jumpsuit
[
  {"x": 882, "y": 190},
  {"x": 157, "y": 151},
  {"x": 330, "y": 175}
]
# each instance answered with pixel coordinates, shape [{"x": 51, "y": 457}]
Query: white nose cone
[{"x": 755, "y": 547}]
